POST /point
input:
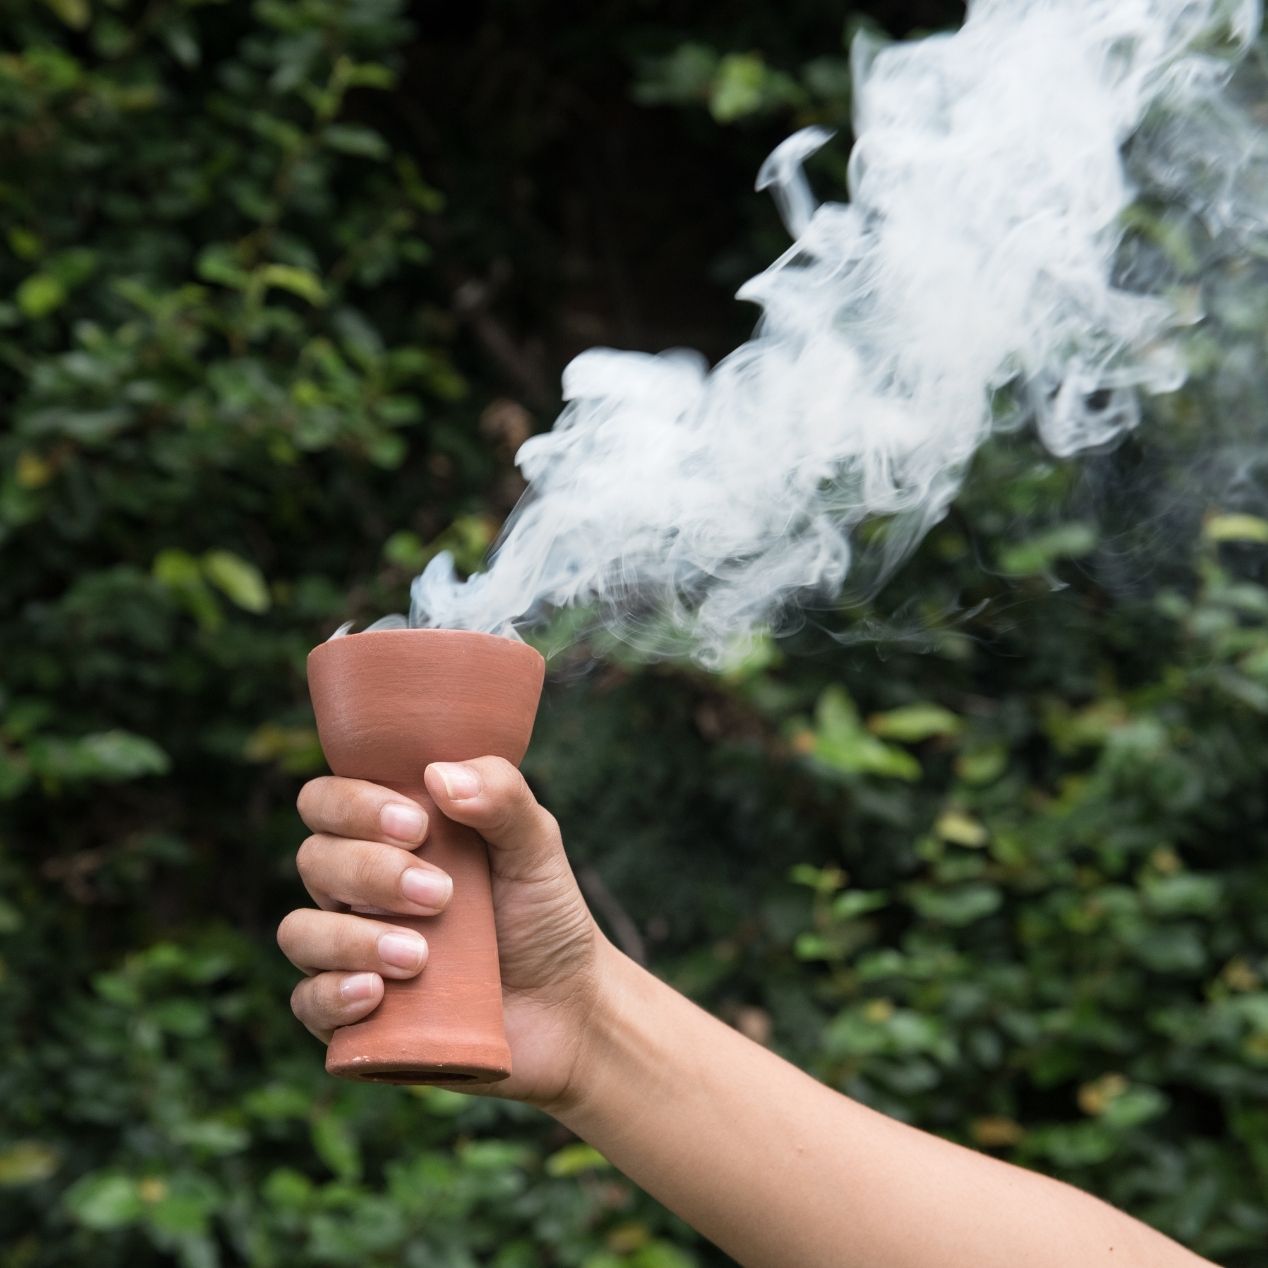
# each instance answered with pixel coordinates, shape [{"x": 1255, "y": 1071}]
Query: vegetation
[{"x": 283, "y": 285}]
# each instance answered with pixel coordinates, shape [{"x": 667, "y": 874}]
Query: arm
[
  {"x": 778, "y": 1169},
  {"x": 774, "y": 1167}
]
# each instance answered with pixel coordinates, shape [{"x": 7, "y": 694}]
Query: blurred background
[{"x": 283, "y": 285}]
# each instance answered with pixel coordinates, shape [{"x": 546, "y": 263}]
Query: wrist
[{"x": 605, "y": 1031}]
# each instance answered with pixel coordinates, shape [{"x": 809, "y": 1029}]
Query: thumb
[{"x": 491, "y": 796}]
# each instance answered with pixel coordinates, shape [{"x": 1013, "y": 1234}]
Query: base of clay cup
[{"x": 457, "y": 1064}]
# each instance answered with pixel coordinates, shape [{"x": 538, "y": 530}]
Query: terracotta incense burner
[{"x": 388, "y": 703}]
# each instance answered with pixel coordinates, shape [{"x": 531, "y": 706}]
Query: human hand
[{"x": 361, "y": 854}]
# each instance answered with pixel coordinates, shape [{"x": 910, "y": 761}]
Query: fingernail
[
  {"x": 461, "y": 782},
  {"x": 403, "y": 821},
  {"x": 427, "y": 889},
  {"x": 404, "y": 950},
  {"x": 358, "y": 987}
]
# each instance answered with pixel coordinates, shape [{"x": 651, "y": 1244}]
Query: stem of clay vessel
[{"x": 389, "y": 703}]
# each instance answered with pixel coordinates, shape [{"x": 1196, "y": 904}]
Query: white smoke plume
[{"x": 975, "y": 261}]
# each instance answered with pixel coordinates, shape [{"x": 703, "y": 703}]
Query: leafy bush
[{"x": 284, "y": 285}]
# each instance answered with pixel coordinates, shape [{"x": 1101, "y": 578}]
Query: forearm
[{"x": 777, "y": 1169}]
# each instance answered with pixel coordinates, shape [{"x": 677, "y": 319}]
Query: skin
[{"x": 771, "y": 1165}]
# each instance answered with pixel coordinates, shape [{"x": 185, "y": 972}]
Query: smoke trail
[{"x": 973, "y": 282}]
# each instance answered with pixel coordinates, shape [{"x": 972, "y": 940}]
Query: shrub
[{"x": 284, "y": 283}]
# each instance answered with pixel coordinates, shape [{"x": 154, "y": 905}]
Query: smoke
[{"x": 976, "y": 280}]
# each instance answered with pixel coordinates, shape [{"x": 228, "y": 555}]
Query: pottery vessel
[{"x": 388, "y": 703}]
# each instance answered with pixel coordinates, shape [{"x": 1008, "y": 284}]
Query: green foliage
[{"x": 261, "y": 294}]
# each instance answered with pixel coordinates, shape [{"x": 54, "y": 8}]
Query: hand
[{"x": 361, "y": 855}]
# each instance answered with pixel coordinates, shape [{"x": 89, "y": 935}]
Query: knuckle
[
  {"x": 499, "y": 817},
  {"x": 349, "y": 945},
  {"x": 499, "y": 768},
  {"x": 365, "y": 875},
  {"x": 299, "y": 998},
  {"x": 548, "y": 825},
  {"x": 359, "y": 811},
  {"x": 326, "y": 1001},
  {"x": 333, "y": 805},
  {"x": 508, "y": 795},
  {"x": 505, "y": 778}
]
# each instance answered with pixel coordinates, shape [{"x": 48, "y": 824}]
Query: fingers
[
  {"x": 364, "y": 811},
  {"x": 329, "y": 1000},
  {"x": 319, "y": 940},
  {"x": 490, "y": 795},
  {"x": 360, "y": 854},
  {"x": 364, "y": 874}
]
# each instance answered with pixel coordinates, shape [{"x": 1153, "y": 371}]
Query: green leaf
[
  {"x": 575, "y": 1159},
  {"x": 295, "y": 748},
  {"x": 748, "y": 657},
  {"x": 40, "y": 295},
  {"x": 27, "y": 1162},
  {"x": 684, "y": 75},
  {"x": 240, "y": 581},
  {"x": 213, "y": 1136},
  {"x": 1173, "y": 949},
  {"x": 182, "y": 574},
  {"x": 982, "y": 765},
  {"x": 1184, "y": 894},
  {"x": 335, "y": 1144},
  {"x": 218, "y": 262},
  {"x": 104, "y": 1200},
  {"x": 183, "y": 1212},
  {"x": 182, "y": 43},
  {"x": 1134, "y": 1107},
  {"x": 123, "y": 755},
  {"x": 814, "y": 946},
  {"x": 369, "y": 75},
  {"x": 276, "y": 1102},
  {"x": 827, "y": 879},
  {"x": 858, "y": 902},
  {"x": 877, "y": 1027},
  {"x": 119, "y": 988},
  {"x": 1074, "y": 1145},
  {"x": 297, "y": 281},
  {"x": 1038, "y": 554},
  {"x": 387, "y": 451},
  {"x": 441, "y": 1102},
  {"x": 89, "y": 426},
  {"x": 11, "y": 918},
  {"x": 842, "y": 743},
  {"x": 188, "y": 1018},
  {"x": 738, "y": 87},
  {"x": 961, "y": 829},
  {"x": 659, "y": 1254},
  {"x": 496, "y": 1156},
  {"x": 1235, "y": 528},
  {"x": 956, "y": 905},
  {"x": 72, "y": 266},
  {"x": 24, "y": 243},
  {"x": 349, "y": 138},
  {"x": 108, "y": 756},
  {"x": 913, "y": 723},
  {"x": 287, "y": 1188},
  {"x": 74, "y": 13},
  {"x": 405, "y": 550}
]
